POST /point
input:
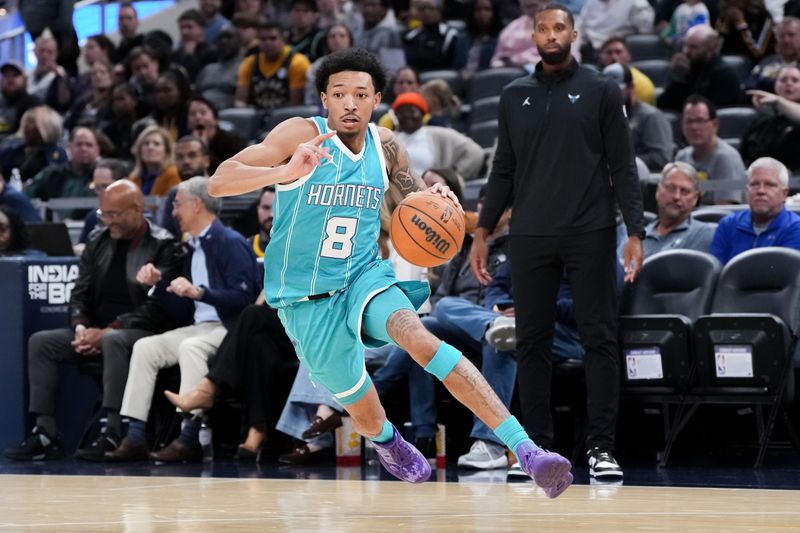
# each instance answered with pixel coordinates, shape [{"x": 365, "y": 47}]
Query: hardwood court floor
[{"x": 88, "y": 503}]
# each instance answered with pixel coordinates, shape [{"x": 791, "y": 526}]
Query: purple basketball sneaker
[
  {"x": 549, "y": 470},
  {"x": 402, "y": 460}
]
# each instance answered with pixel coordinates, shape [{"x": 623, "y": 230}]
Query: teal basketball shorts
[{"x": 330, "y": 334}]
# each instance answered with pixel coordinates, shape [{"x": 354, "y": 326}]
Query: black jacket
[
  {"x": 564, "y": 155},
  {"x": 151, "y": 244},
  {"x": 715, "y": 80}
]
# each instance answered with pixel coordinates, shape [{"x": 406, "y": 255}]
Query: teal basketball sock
[
  {"x": 386, "y": 433},
  {"x": 512, "y": 434}
]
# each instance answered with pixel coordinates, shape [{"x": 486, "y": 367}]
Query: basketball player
[{"x": 322, "y": 270}]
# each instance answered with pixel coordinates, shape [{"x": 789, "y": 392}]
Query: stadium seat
[
  {"x": 714, "y": 213},
  {"x": 491, "y": 82},
  {"x": 646, "y": 46},
  {"x": 743, "y": 349},
  {"x": 740, "y": 64},
  {"x": 280, "y": 114},
  {"x": 484, "y": 109},
  {"x": 655, "y": 69},
  {"x": 483, "y": 133},
  {"x": 246, "y": 121},
  {"x": 733, "y": 123},
  {"x": 452, "y": 77}
]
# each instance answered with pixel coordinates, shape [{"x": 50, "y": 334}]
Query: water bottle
[
  {"x": 206, "y": 439},
  {"x": 16, "y": 180}
]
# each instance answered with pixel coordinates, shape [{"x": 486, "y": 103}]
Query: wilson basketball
[{"x": 427, "y": 229}]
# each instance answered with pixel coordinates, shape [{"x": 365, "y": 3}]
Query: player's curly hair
[{"x": 356, "y": 59}]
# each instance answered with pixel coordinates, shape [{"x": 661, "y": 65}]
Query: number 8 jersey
[{"x": 326, "y": 224}]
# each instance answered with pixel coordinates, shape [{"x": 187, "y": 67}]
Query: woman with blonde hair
[
  {"x": 154, "y": 169},
  {"x": 35, "y": 145}
]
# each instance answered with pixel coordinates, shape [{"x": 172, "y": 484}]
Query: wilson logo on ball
[{"x": 431, "y": 235}]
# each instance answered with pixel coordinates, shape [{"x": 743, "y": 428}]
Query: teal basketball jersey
[{"x": 326, "y": 224}]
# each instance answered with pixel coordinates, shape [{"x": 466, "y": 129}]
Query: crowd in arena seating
[{"x": 712, "y": 96}]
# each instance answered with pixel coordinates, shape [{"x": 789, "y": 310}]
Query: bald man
[
  {"x": 109, "y": 311},
  {"x": 699, "y": 69}
]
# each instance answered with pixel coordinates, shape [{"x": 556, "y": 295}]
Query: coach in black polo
[{"x": 565, "y": 161}]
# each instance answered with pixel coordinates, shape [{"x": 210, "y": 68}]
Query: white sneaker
[
  {"x": 602, "y": 464},
  {"x": 502, "y": 334},
  {"x": 484, "y": 455}
]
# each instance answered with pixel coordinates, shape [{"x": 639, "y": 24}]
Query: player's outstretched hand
[
  {"x": 308, "y": 156},
  {"x": 445, "y": 192}
]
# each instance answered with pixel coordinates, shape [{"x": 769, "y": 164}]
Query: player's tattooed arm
[{"x": 398, "y": 166}]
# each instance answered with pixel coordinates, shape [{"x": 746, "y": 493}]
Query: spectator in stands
[
  {"x": 767, "y": 222},
  {"x": 330, "y": 12},
  {"x": 405, "y": 80},
  {"x": 678, "y": 192},
  {"x": 220, "y": 278},
  {"x": 70, "y": 178},
  {"x": 14, "y": 97},
  {"x": 615, "y": 50},
  {"x": 18, "y": 201},
  {"x": 713, "y": 158},
  {"x": 97, "y": 48},
  {"x": 476, "y": 45},
  {"x": 126, "y": 110},
  {"x": 106, "y": 172},
  {"x": 171, "y": 104},
  {"x": 688, "y": 14},
  {"x": 433, "y": 146},
  {"x": 53, "y": 17},
  {"x": 774, "y": 132},
  {"x": 215, "y": 22},
  {"x": 432, "y": 45},
  {"x": 193, "y": 52},
  {"x": 260, "y": 240},
  {"x": 599, "y": 20},
  {"x": 746, "y": 29},
  {"x": 699, "y": 69},
  {"x": 14, "y": 240},
  {"x": 128, "y": 21},
  {"x": 444, "y": 107},
  {"x": 514, "y": 46},
  {"x": 154, "y": 170},
  {"x": 191, "y": 159},
  {"x": 246, "y": 26},
  {"x": 145, "y": 68},
  {"x": 93, "y": 107},
  {"x": 109, "y": 312},
  {"x": 337, "y": 37},
  {"x": 787, "y": 52},
  {"x": 380, "y": 31},
  {"x": 666, "y": 8},
  {"x": 47, "y": 77},
  {"x": 275, "y": 77},
  {"x": 250, "y": 7},
  {"x": 305, "y": 36},
  {"x": 203, "y": 123},
  {"x": 35, "y": 146},
  {"x": 650, "y": 129},
  {"x": 217, "y": 80}
]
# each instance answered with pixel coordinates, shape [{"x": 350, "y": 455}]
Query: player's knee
[{"x": 443, "y": 361}]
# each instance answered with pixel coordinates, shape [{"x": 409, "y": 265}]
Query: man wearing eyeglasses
[
  {"x": 109, "y": 311},
  {"x": 767, "y": 222},
  {"x": 678, "y": 192},
  {"x": 713, "y": 158}
]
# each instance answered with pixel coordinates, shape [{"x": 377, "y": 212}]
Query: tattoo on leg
[
  {"x": 402, "y": 324},
  {"x": 469, "y": 386}
]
